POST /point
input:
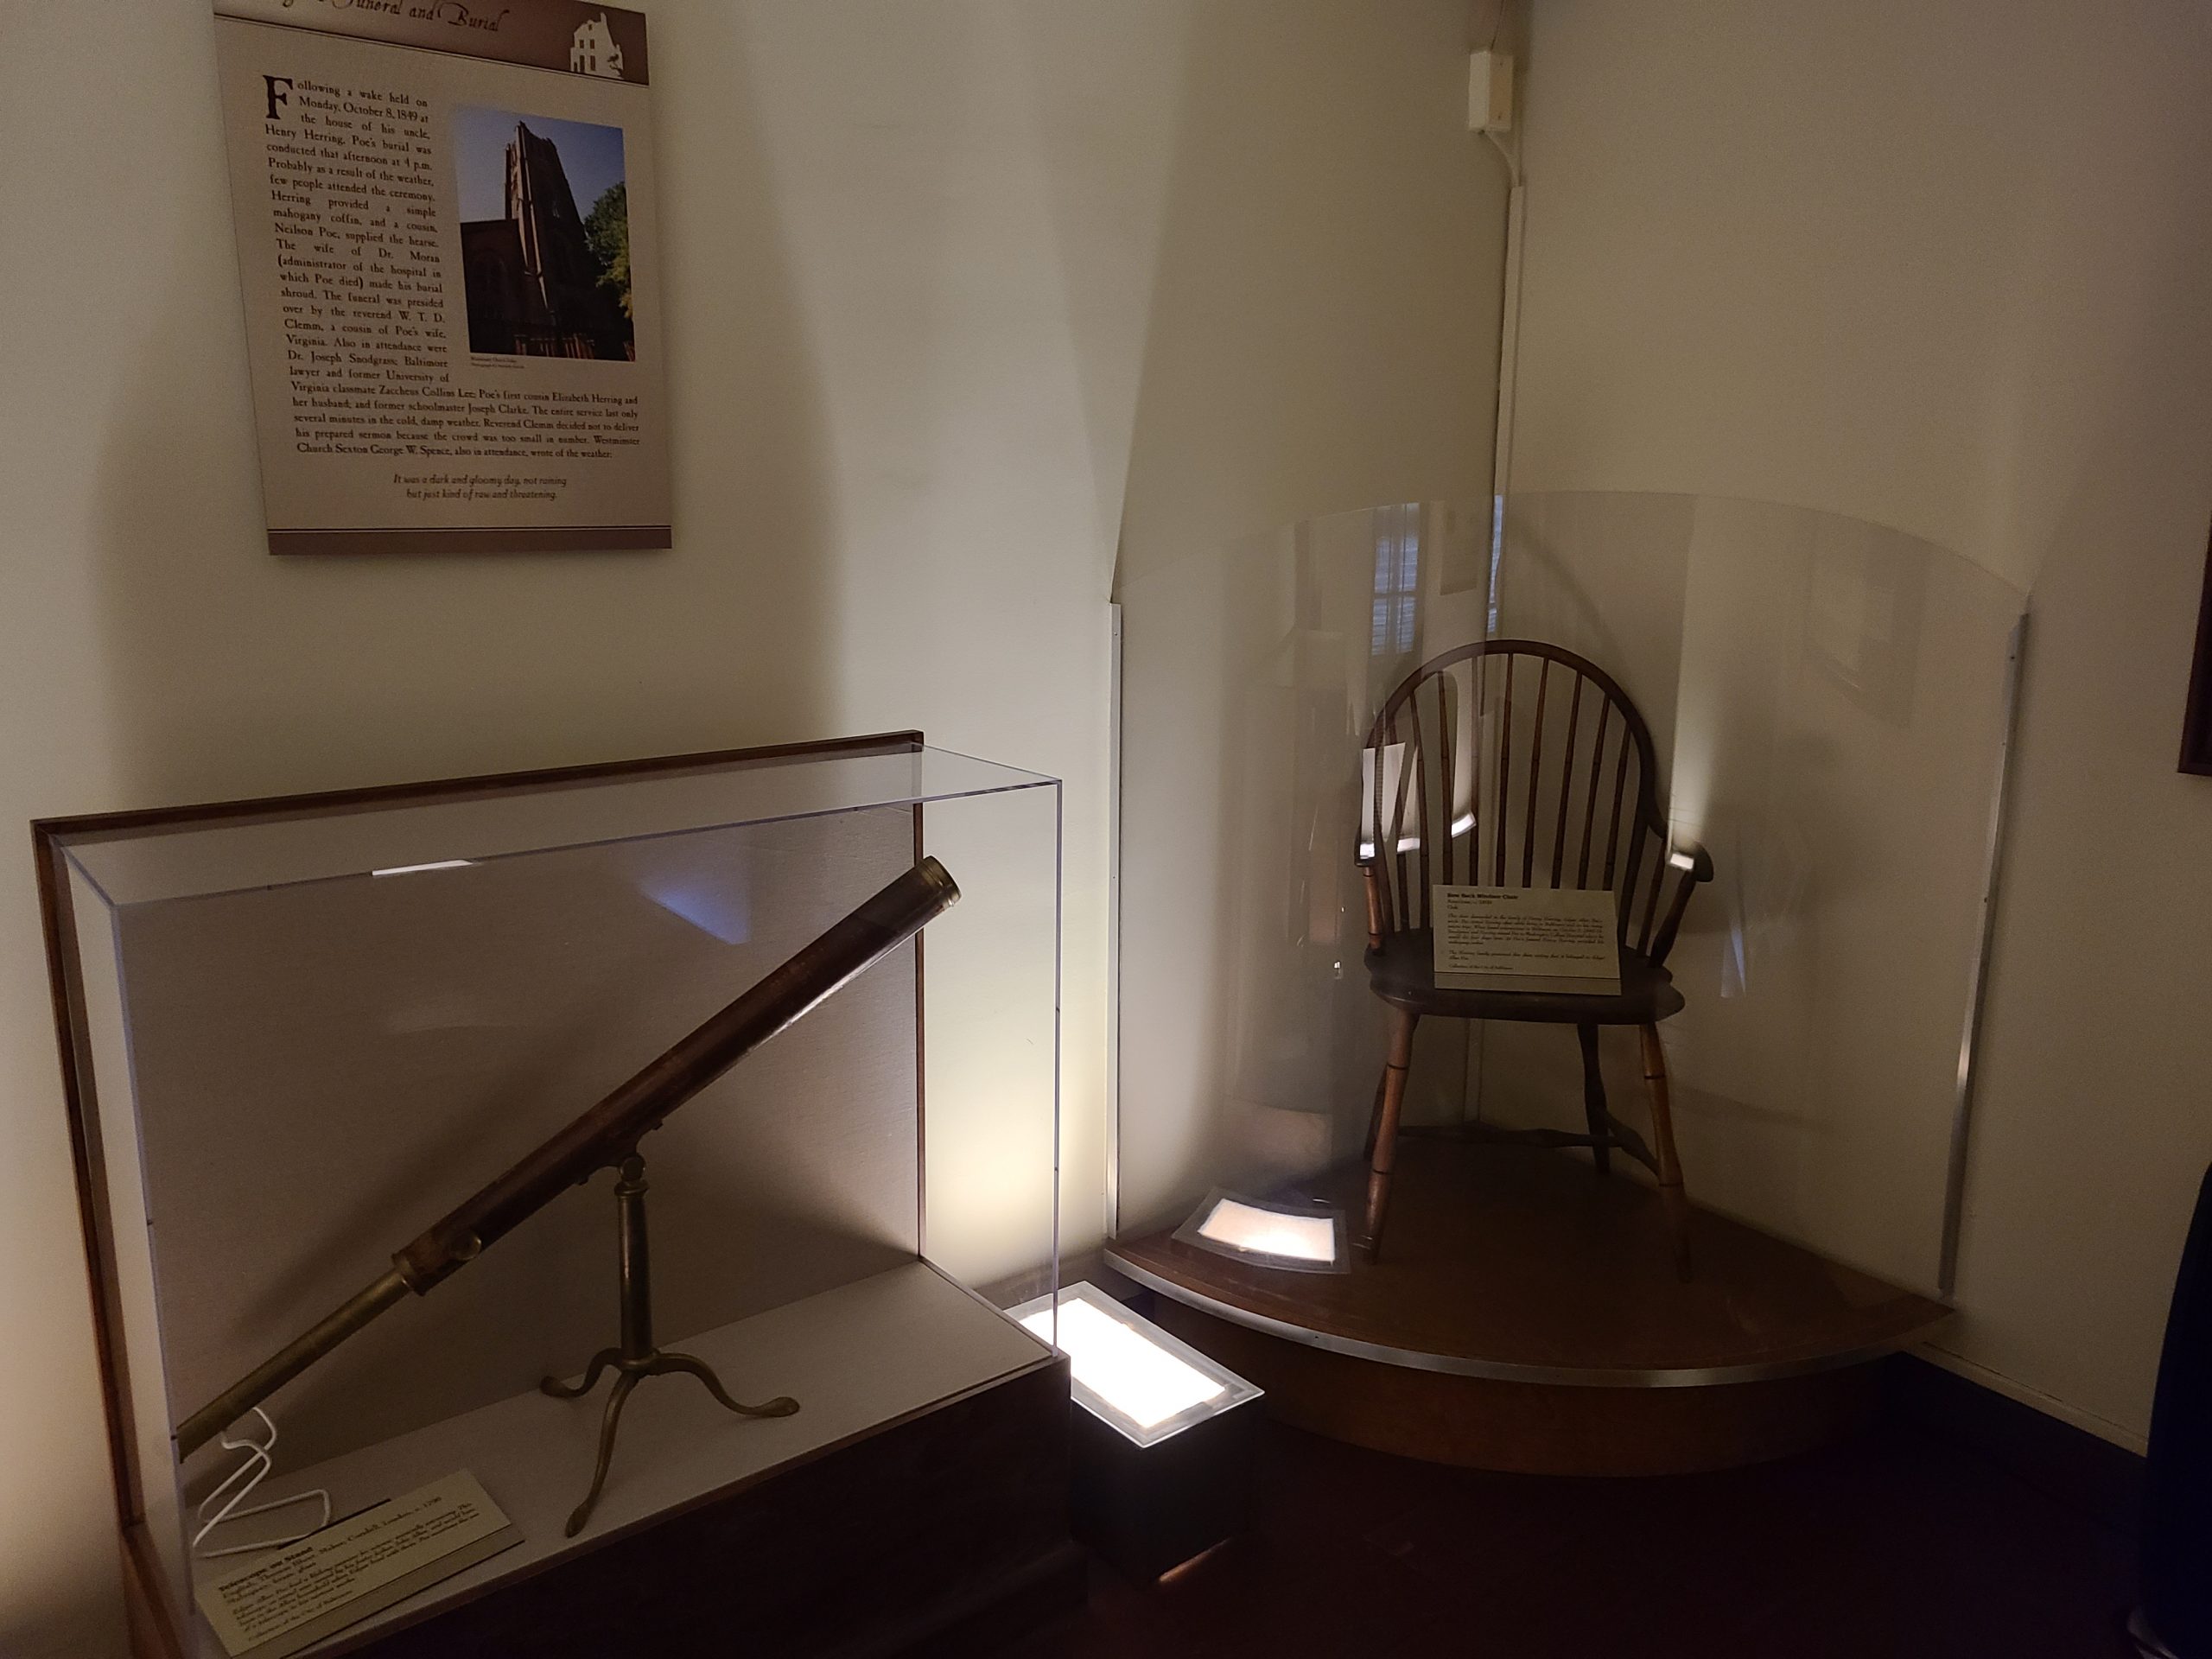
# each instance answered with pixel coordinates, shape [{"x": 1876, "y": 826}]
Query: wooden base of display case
[
  {"x": 918, "y": 1496},
  {"x": 1525, "y": 1315}
]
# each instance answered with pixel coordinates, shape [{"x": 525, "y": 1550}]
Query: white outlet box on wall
[{"x": 1489, "y": 92}]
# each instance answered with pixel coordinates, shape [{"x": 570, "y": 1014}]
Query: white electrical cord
[
  {"x": 251, "y": 1472},
  {"x": 1512, "y": 155}
]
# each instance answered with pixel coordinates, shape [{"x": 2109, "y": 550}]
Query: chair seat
[{"x": 1402, "y": 973}]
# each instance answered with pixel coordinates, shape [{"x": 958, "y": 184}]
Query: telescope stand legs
[
  {"x": 637, "y": 1358},
  {"x": 599, "y": 1362},
  {"x": 626, "y": 1382}
]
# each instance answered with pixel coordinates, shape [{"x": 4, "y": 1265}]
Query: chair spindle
[
  {"x": 1504, "y": 776},
  {"x": 1589, "y": 807},
  {"x": 1567, "y": 783},
  {"x": 1535, "y": 773}
]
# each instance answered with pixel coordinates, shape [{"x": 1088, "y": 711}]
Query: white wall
[
  {"x": 1942, "y": 266},
  {"x": 914, "y": 254}
]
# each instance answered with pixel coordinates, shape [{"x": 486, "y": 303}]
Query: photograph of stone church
[{"x": 543, "y": 279}]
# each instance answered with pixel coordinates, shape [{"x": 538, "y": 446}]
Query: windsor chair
[{"x": 1468, "y": 787}]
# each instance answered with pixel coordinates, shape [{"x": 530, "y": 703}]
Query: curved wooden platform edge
[
  {"x": 1506, "y": 1370},
  {"x": 1529, "y": 1427}
]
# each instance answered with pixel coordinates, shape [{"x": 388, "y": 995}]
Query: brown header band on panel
[
  {"x": 577, "y": 37},
  {"x": 46, "y": 831},
  {"x": 604, "y": 539}
]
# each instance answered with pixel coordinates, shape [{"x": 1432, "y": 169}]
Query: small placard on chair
[{"x": 1553, "y": 939}]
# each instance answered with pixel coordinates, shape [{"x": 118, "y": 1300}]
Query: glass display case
[
  {"x": 298, "y": 1033},
  {"x": 1829, "y": 703}
]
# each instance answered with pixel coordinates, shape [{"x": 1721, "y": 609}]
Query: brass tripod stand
[{"x": 637, "y": 1358}]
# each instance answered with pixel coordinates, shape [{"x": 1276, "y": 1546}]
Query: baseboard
[
  {"x": 2050, "y": 1405},
  {"x": 2081, "y": 1470}
]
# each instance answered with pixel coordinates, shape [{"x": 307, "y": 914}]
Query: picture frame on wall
[{"x": 2196, "y": 719}]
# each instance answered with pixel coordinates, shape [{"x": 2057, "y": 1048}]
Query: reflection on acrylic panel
[
  {"x": 991, "y": 1059},
  {"x": 1250, "y": 1040},
  {"x": 1828, "y": 696}
]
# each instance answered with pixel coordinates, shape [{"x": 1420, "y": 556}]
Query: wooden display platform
[{"x": 1526, "y": 1316}]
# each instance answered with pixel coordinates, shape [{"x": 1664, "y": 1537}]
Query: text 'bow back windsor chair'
[{"x": 1516, "y": 762}]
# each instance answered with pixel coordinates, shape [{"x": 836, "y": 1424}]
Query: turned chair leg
[
  {"x": 1384, "y": 1150},
  {"x": 1593, "y": 1100},
  {"x": 1663, "y": 1141}
]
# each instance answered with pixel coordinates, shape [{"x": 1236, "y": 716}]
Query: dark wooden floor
[{"x": 1895, "y": 1543}]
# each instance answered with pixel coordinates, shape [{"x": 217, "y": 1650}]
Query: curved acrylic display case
[
  {"x": 1829, "y": 703},
  {"x": 299, "y": 1032}
]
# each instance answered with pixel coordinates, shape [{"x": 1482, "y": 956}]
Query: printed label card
[
  {"x": 1525, "y": 939},
  {"x": 299, "y": 1593}
]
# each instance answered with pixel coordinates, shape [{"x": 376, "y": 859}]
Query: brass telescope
[{"x": 606, "y": 1135}]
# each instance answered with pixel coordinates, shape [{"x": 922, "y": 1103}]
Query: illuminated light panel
[
  {"x": 1270, "y": 1232},
  {"x": 1143, "y": 1382},
  {"x": 1130, "y": 1373},
  {"x": 1297, "y": 1237},
  {"x": 416, "y": 869}
]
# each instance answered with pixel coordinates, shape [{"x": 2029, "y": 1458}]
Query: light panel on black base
[{"x": 1162, "y": 1434}]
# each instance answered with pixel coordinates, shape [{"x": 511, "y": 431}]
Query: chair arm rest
[
  {"x": 1693, "y": 865},
  {"x": 1699, "y": 867}
]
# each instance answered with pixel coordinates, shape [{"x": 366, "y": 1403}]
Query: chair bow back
[{"x": 1516, "y": 762}]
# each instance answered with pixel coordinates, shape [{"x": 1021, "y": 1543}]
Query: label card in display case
[
  {"x": 1526, "y": 940},
  {"x": 278, "y": 1603}
]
